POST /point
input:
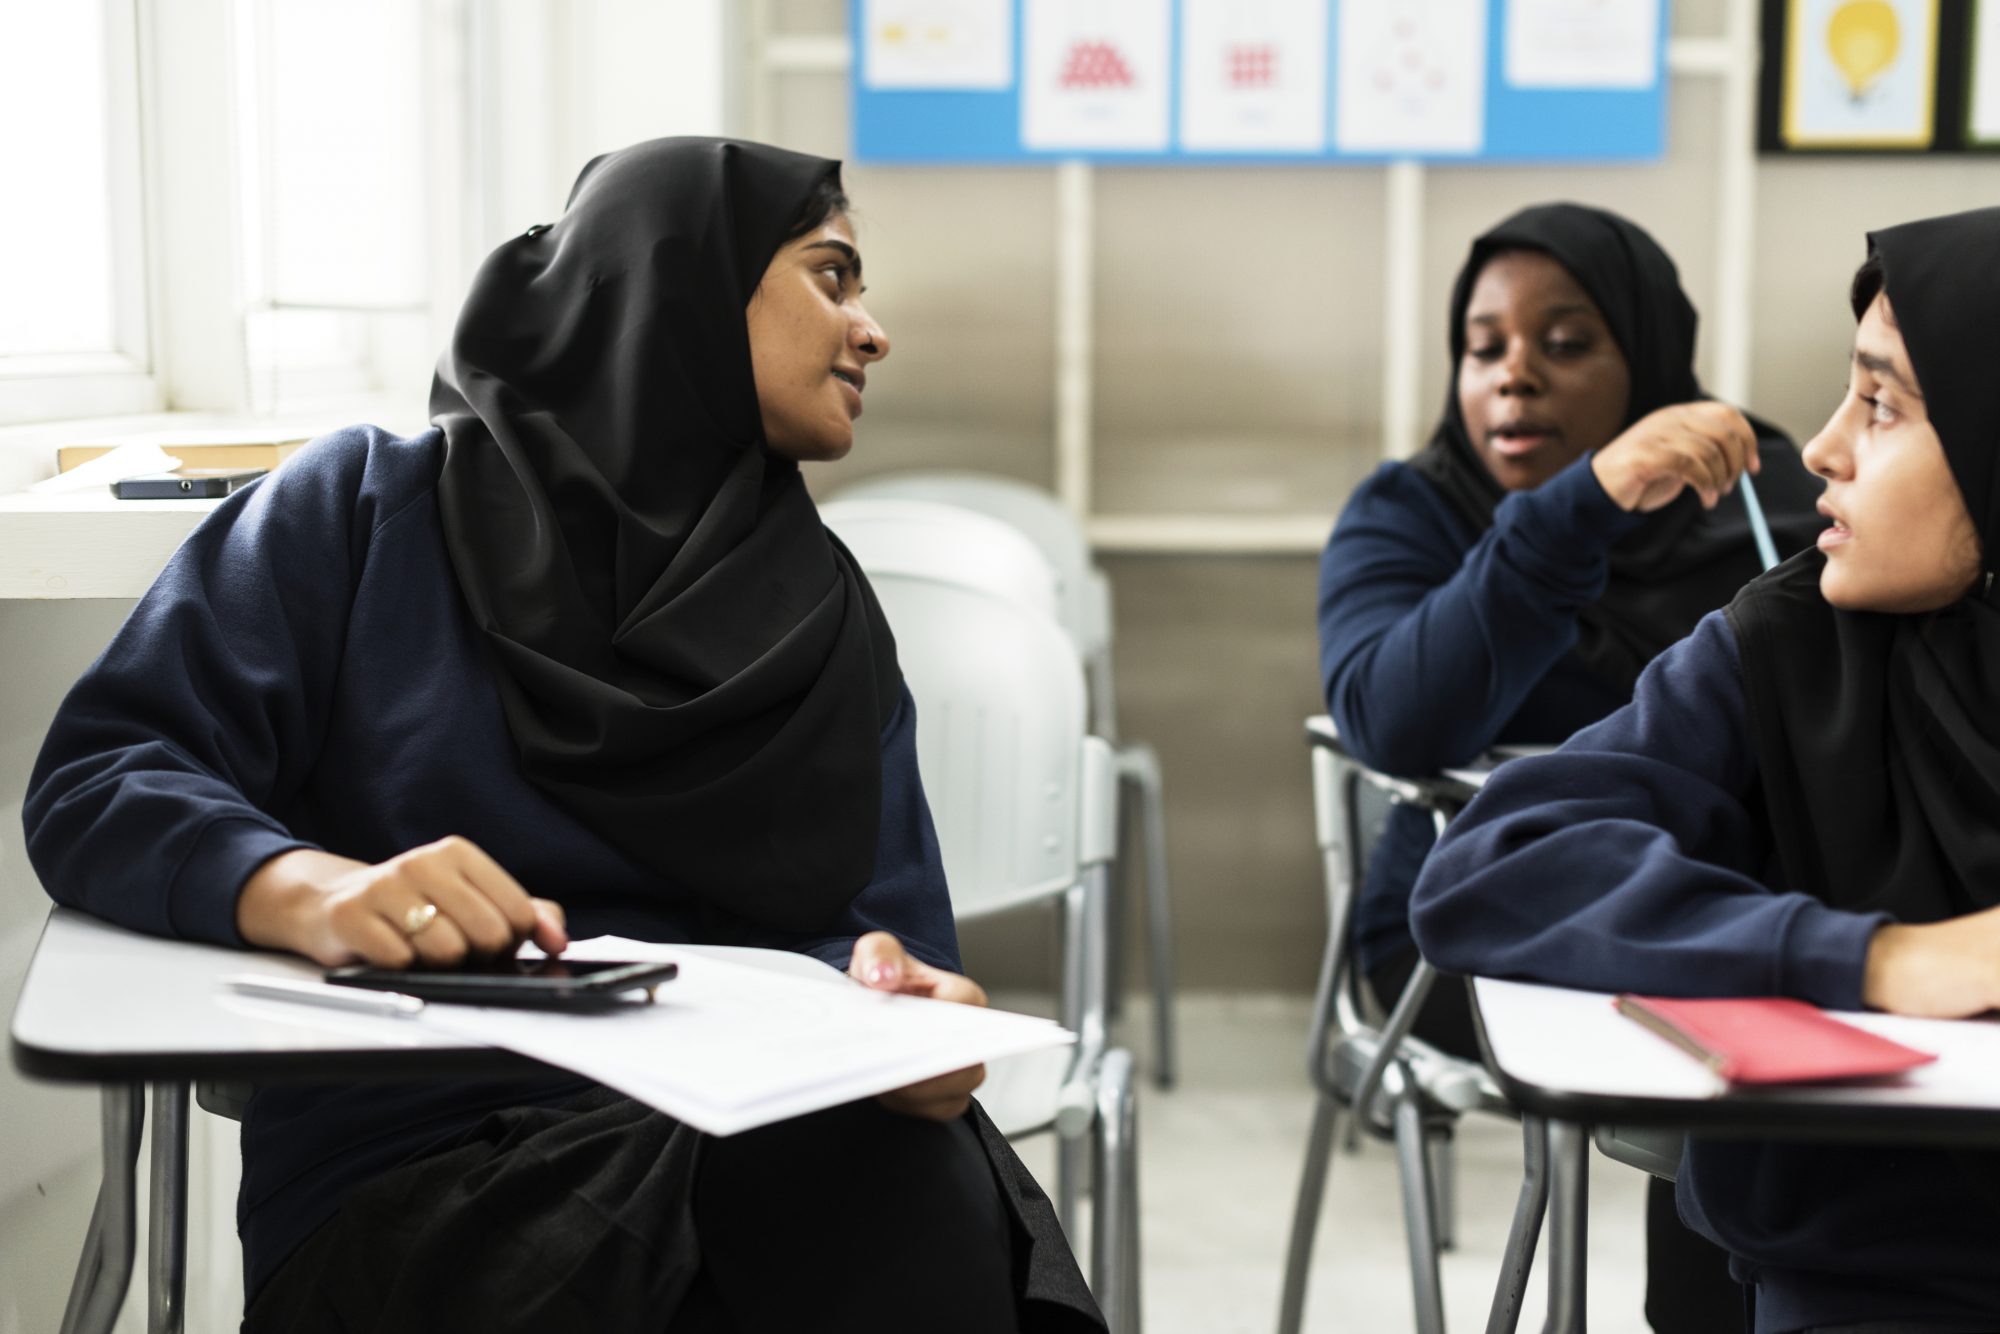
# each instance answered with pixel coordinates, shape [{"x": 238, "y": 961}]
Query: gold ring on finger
[{"x": 418, "y": 919}]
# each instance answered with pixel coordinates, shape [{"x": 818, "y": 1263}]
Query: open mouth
[{"x": 1516, "y": 439}]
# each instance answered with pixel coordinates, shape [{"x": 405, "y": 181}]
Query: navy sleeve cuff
[
  {"x": 1568, "y": 517},
  {"x": 201, "y": 902},
  {"x": 1825, "y": 954}
]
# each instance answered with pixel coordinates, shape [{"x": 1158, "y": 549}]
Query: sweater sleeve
[
  {"x": 906, "y": 896},
  {"x": 1426, "y": 653},
  {"x": 1629, "y": 859},
  {"x": 151, "y": 801}
]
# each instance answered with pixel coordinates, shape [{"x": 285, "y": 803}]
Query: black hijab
[
  {"x": 1878, "y": 735},
  {"x": 1682, "y": 561},
  {"x": 689, "y": 663}
]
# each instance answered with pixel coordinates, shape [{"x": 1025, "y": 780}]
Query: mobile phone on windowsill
[{"x": 187, "y": 484}]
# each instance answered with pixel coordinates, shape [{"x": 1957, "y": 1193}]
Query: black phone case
[
  {"x": 604, "y": 991},
  {"x": 174, "y": 486}
]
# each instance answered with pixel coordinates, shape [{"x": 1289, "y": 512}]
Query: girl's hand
[
  {"x": 431, "y": 906},
  {"x": 880, "y": 962},
  {"x": 1704, "y": 445},
  {"x": 1939, "y": 970}
]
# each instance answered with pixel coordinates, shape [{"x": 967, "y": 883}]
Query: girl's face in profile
[
  {"x": 1542, "y": 381},
  {"x": 1901, "y": 539},
  {"x": 811, "y": 343}
]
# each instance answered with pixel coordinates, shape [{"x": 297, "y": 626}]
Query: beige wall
[{"x": 1239, "y": 317}]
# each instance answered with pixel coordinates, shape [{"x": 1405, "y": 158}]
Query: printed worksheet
[
  {"x": 1096, "y": 75},
  {"x": 1411, "y": 77},
  {"x": 957, "y": 44},
  {"x": 1253, "y": 75},
  {"x": 1583, "y": 43}
]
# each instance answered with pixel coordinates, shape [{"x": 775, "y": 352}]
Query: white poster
[
  {"x": 1411, "y": 77},
  {"x": 1253, "y": 75},
  {"x": 1096, "y": 75},
  {"x": 1859, "y": 73},
  {"x": 1583, "y": 43},
  {"x": 1983, "y": 123},
  {"x": 938, "y": 43}
]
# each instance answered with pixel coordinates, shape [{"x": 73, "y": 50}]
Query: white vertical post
[
  {"x": 759, "y": 97},
  {"x": 1075, "y": 252},
  {"x": 1403, "y": 293},
  {"x": 1736, "y": 208}
]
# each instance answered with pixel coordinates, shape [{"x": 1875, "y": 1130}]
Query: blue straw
[{"x": 1767, "y": 550}]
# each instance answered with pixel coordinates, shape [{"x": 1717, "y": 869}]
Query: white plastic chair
[
  {"x": 1025, "y": 803},
  {"x": 931, "y": 540},
  {"x": 1083, "y": 599}
]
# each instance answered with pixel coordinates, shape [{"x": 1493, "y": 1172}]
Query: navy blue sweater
[
  {"x": 1636, "y": 858},
  {"x": 1437, "y": 642},
  {"x": 304, "y": 673}
]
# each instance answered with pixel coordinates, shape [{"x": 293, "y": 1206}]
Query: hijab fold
[
  {"x": 1682, "y": 561},
  {"x": 1878, "y": 735},
  {"x": 689, "y": 663}
]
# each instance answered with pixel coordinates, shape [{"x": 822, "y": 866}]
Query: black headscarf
[
  {"x": 689, "y": 663},
  {"x": 1682, "y": 561},
  {"x": 1878, "y": 735}
]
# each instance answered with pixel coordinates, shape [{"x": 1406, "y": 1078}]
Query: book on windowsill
[{"x": 1771, "y": 1040}]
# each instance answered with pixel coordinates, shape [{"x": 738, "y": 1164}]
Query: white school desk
[
  {"x": 108, "y": 1006},
  {"x": 1570, "y": 1060}
]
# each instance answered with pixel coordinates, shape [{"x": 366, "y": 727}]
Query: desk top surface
[
  {"x": 103, "y": 1003},
  {"x": 1571, "y": 1055}
]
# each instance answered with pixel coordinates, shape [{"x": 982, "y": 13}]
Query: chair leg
[
  {"x": 1444, "y": 1183},
  {"x": 166, "y": 1279},
  {"x": 1070, "y": 1155},
  {"x": 1519, "y": 1258},
  {"x": 1114, "y": 1195},
  {"x": 104, "y": 1270},
  {"x": 1159, "y": 911},
  {"x": 1414, "y": 1160},
  {"x": 1305, "y": 1214},
  {"x": 1569, "y": 1226}
]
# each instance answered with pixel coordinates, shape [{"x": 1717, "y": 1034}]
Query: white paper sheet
[
  {"x": 1411, "y": 77},
  {"x": 962, "y": 44},
  {"x": 1583, "y": 43},
  {"x": 727, "y": 1048},
  {"x": 133, "y": 460},
  {"x": 1253, "y": 75},
  {"x": 1860, "y": 76},
  {"x": 1096, "y": 75}
]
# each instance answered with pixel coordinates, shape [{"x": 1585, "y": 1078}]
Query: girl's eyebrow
[
  {"x": 852, "y": 255},
  {"x": 1884, "y": 368}
]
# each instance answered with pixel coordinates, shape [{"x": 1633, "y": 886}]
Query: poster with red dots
[
  {"x": 1253, "y": 76},
  {"x": 1096, "y": 75},
  {"x": 1411, "y": 77}
]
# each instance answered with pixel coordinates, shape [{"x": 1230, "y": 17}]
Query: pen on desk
[{"x": 390, "y": 1003}]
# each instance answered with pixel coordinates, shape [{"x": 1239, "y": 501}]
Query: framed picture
[
  {"x": 1879, "y": 76},
  {"x": 1982, "y": 76}
]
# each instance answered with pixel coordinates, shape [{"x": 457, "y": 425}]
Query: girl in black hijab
[
  {"x": 1569, "y": 519},
  {"x": 1802, "y": 801},
  {"x": 586, "y": 640}
]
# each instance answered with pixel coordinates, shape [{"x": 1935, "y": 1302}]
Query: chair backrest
[
  {"x": 1000, "y": 740},
  {"x": 932, "y": 540},
  {"x": 1082, "y": 595}
]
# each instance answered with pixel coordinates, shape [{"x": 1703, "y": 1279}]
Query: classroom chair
[
  {"x": 1083, "y": 595},
  {"x": 1392, "y": 1085},
  {"x": 1025, "y": 803}
]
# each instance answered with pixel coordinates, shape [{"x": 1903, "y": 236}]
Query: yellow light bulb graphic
[{"x": 1863, "y": 37}]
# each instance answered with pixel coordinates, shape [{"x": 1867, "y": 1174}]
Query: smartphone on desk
[
  {"x": 187, "y": 484},
  {"x": 540, "y": 984}
]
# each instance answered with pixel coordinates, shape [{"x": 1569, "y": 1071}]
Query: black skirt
[{"x": 602, "y": 1214}]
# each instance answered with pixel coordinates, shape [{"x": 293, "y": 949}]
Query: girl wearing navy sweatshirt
[
  {"x": 1567, "y": 521},
  {"x": 1803, "y": 799}
]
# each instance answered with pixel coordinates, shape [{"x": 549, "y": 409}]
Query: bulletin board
[
  {"x": 1880, "y": 76},
  {"x": 1180, "y": 81}
]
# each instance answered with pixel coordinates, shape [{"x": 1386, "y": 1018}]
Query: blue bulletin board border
[{"x": 1522, "y": 124}]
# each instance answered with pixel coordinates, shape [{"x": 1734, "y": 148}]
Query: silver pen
[{"x": 392, "y": 1003}]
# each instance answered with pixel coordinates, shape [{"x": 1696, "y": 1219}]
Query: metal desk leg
[
  {"x": 1569, "y": 1225},
  {"x": 1413, "y": 1155},
  {"x": 167, "y": 1229},
  {"x": 1519, "y": 1258},
  {"x": 1305, "y": 1217},
  {"x": 104, "y": 1270}
]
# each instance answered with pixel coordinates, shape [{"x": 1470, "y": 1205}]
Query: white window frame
[{"x": 49, "y": 387}]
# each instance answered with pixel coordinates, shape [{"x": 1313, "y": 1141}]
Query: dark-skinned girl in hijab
[
  {"x": 583, "y": 643},
  {"x": 1571, "y": 517},
  {"x": 1804, "y": 800}
]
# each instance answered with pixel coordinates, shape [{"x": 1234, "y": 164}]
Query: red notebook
[{"x": 1768, "y": 1040}]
